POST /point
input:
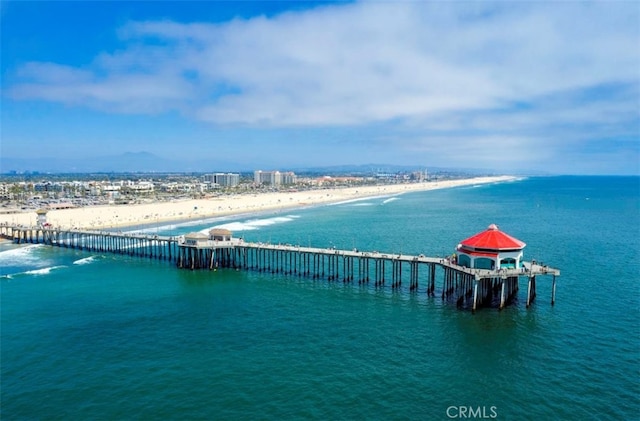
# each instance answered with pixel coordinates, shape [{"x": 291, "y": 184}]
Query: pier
[{"x": 467, "y": 287}]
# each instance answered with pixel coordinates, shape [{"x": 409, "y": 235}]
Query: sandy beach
[{"x": 95, "y": 217}]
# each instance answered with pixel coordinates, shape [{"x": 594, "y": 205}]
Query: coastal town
[
  {"x": 21, "y": 192},
  {"x": 122, "y": 200}
]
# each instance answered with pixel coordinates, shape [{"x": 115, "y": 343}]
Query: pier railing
[{"x": 468, "y": 287}]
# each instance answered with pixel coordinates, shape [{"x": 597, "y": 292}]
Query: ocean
[{"x": 89, "y": 336}]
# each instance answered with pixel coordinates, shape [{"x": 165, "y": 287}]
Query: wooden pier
[
  {"x": 151, "y": 246},
  {"x": 467, "y": 287}
]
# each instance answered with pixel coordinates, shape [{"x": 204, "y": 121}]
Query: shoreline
[{"x": 179, "y": 212}]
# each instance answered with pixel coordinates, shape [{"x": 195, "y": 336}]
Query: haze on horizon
[{"x": 536, "y": 86}]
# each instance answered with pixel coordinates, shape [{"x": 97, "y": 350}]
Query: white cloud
[
  {"x": 353, "y": 64},
  {"x": 448, "y": 67},
  {"x": 120, "y": 92}
]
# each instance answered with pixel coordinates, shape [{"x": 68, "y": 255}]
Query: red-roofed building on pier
[{"x": 490, "y": 249}]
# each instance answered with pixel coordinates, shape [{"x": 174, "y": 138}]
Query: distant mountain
[
  {"x": 146, "y": 162},
  {"x": 370, "y": 169}
]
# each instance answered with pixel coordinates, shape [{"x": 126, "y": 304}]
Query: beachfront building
[
  {"x": 175, "y": 187},
  {"x": 419, "y": 176},
  {"x": 289, "y": 178},
  {"x": 5, "y": 191},
  {"x": 272, "y": 178},
  {"x": 137, "y": 187},
  {"x": 224, "y": 180},
  {"x": 112, "y": 191},
  {"x": 490, "y": 249},
  {"x": 48, "y": 186}
]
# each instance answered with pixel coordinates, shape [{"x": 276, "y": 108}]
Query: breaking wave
[
  {"x": 42, "y": 271},
  {"x": 24, "y": 256},
  {"x": 253, "y": 224},
  {"x": 86, "y": 260}
]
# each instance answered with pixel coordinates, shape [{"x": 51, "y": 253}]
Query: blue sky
[{"x": 507, "y": 86}]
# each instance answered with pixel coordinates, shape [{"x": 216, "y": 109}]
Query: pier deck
[
  {"x": 535, "y": 269},
  {"x": 468, "y": 287}
]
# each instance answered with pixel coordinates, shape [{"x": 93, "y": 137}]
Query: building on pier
[
  {"x": 196, "y": 239},
  {"x": 42, "y": 218},
  {"x": 217, "y": 237},
  {"x": 490, "y": 249},
  {"x": 220, "y": 234}
]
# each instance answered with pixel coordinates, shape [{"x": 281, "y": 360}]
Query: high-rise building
[
  {"x": 289, "y": 178},
  {"x": 272, "y": 178},
  {"x": 224, "y": 180}
]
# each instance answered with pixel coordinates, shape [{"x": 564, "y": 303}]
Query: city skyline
[{"x": 549, "y": 87}]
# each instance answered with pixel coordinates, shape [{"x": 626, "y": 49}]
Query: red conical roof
[{"x": 492, "y": 239}]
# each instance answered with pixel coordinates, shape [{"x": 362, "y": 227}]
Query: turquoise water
[{"x": 91, "y": 336}]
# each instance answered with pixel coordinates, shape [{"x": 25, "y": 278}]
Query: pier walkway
[{"x": 467, "y": 287}]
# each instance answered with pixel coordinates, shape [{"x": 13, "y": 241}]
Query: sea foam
[
  {"x": 23, "y": 256},
  {"x": 85, "y": 261},
  {"x": 253, "y": 224},
  {"x": 42, "y": 271}
]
